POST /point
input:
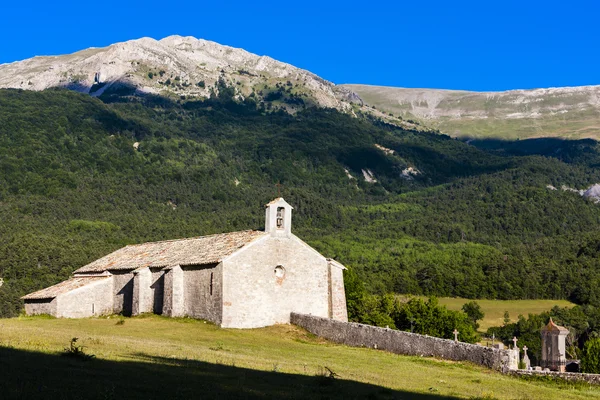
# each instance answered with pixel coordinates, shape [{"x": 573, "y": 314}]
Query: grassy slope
[
  {"x": 153, "y": 356},
  {"x": 494, "y": 309}
]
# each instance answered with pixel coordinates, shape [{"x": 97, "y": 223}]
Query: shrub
[
  {"x": 590, "y": 360},
  {"x": 76, "y": 351}
]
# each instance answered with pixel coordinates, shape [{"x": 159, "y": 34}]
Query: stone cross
[
  {"x": 455, "y": 335},
  {"x": 493, "y": 339},
  {"x": 526, "y": 358},
  {"x": 515, "y": 340}
]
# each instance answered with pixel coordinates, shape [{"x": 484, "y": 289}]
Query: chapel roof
[
  {"x": 193, "y": 251},
  {"x": 552, "y": 327},
  {"x": 278, "y": 200},
  {"x": 63, "y": 287}
]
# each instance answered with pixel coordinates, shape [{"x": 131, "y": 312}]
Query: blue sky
[{"x": 472, "y": 45}]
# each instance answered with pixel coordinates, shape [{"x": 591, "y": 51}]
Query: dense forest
[{"x": 80, "y": 177}]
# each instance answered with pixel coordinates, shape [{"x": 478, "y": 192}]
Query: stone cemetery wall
[
  {"x": 593, "y": 379},
  {"x": 401, "y": 342}
]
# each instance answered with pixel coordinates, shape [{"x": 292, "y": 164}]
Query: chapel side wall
[
  {"x": 400, "y": 342},
  {"x": 44, "y": 306},
  {"x": 142, "y": 292},
  {"x": 90, "y": 300},
  {"x": 123, "y": 292},
  {"x": 157, "y": 287},
  {"x": 202, "y": 292},
  {"x": 253, "y": 296},
  {"x": 174, "y": 294},
  {"x": 339, "y": 310}
]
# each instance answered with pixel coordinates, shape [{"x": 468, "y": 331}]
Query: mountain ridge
[
  {"x": 567, "y": 112},
  {"x": 184, "y": 62}
]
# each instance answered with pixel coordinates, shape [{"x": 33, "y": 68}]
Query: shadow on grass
[{"x": 32, "y": 375}]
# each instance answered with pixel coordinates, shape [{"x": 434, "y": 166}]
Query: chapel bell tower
[{"x": 278, "y": 218}]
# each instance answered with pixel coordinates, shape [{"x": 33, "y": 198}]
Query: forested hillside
[{"x": 80, "y": 177}]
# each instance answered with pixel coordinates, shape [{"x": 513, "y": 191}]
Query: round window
[{"x": 279, "y": 271}]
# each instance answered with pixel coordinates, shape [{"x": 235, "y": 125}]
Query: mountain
[
  {"x": 184, "y": 67},
  {"x": 570, "y": 112}
]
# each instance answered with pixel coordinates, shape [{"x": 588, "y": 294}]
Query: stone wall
[
  {"x": 173, "y": 297},
  {"x": 157, "y": 286},
  {"x": 123, "y": 292},
  {"x": 42, "y": 306},
  {"x": 593, "y": 379},
  {"x": 337, "y": 294},
  {"x": 202, "y": 292},
  {"x": 143, "y": 298},
  {"x": 401, "y": 342},
  {"x": 270, "y": 278},
  {"x": 93, "y": 299}
]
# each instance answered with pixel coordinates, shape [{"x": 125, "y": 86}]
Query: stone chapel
[{"x": 241, "y": 279}]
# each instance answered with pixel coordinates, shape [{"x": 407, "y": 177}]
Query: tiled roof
[
  {"x": 63, "y": 287},
  {"x": 193, "y": 251},
  {"x": 552, "y": 327}
]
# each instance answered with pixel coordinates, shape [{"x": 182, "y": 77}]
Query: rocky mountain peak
[{"x": 176, "y": 66}]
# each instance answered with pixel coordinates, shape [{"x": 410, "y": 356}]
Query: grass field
[
  {"x": 494, "y": 309},
  {"x": 155, "y": 357}
]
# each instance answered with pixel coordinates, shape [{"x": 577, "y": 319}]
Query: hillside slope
[
  {"x": 193, "y": 357},
  {"x": 571, "y": 112},
  {"x": 409, "y": 212}
]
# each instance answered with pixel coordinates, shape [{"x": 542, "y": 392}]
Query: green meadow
[
  {"x": 155, "y": 357},
  {"x": 494, "y": 309}
]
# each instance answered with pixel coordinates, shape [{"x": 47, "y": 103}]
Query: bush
[
  {"x": 590, "y": 360},
  {"x": 76, "y": 351}
]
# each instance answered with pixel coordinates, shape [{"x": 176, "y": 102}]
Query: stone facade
[
  {"x": 41, "y": 306},
  {"x": 281, "y": 275},
  {"x": 143, "y": 298},
  {"x": 173, "y": 298},
  {"x": 203, "y": 292},
  {"x": 337, "y": 293},
  {"x": 157, "y": 288},
  {"x": 243, "y": 279},
  {"x": 92, "y": 299},
  {"x": 407, "y": 343},
  {"x": 122, "y": 292}
]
